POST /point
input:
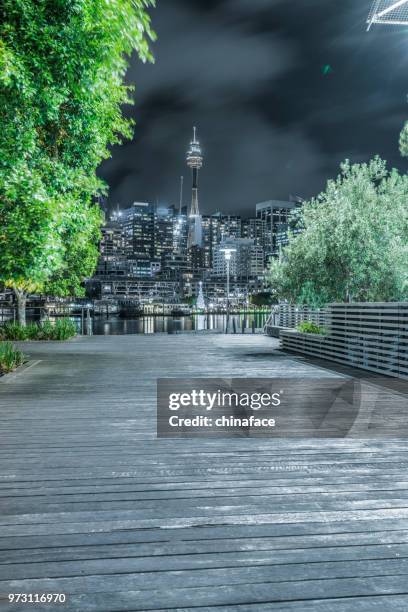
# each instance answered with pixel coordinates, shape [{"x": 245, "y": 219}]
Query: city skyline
[
  {"x": 147, "y": 255},
  {"x": 275, "y": 110}
]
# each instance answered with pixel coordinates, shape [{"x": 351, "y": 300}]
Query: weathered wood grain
[{"x": 91, "y": 504}]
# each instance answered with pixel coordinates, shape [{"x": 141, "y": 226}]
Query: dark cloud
[{"x": 281, "y": 92}]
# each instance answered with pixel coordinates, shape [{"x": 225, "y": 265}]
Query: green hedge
[
  {"x": 62, "y": 329},
  {"x": 307, "y": 327},
  {"x": 10, "y": 357}
]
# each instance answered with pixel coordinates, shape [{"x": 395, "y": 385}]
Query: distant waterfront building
[
  {"x": 142, "y": 290},
  {"x": 246, "y": 258},
  {"x": 293, "y": 227},
  {"x": 148, "y": 234},
  {"x": 163, "y": 233},
  {"x": 256, "y": 264},
  {"x": 149, "y": 248},
  {"x": 273, "y": 213},
  {"x": 111, "y": 248},
  {"x": 180, "y": 232},
  {"x": 208, "y": 240},
  {"x": 138, "y": 227},
  {"x": 216, "y": 228},
  {"x": 147, "y": 241},
  {"x": 229, "y": 226},
  {"x": 254, "y": 229}
]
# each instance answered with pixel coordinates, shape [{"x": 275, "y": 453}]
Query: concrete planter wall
[{"x": 372, "y": 336}]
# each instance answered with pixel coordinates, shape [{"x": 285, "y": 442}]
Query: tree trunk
[{"x": 21, "y": 297}]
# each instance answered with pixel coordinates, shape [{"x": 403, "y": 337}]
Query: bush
[
  {"x": 307, "y": 327},
  {"x": 261, "y": 299},
  {"x": 10, "y": 357},
  {"x": 62, "y": 329},
  {"x": 13, "y": 331},
  {"x": 44, "y": 331},
  {"x": 31, "y": 331}
]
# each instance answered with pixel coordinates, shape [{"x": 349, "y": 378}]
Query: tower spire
[{"x": 194, "y": 161}]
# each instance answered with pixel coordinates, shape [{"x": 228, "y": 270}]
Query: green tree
[
  {"x": 261, "y": 299},
  {"x": 30, "y": 245},
  {"x": 80, "y": 236},
  {"x": 62, "y": 69},
  {"x": 404, "y": 140},
  {"x": 354, "y": 243}
]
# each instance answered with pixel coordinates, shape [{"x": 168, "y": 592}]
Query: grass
[
  {"x": 307, "y": 327},
  {"x": 62, "y": 329},
  {"x": 10, "y": 357}
]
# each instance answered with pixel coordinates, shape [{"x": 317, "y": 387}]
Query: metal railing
[
  {"x": 289, "y": 316},
  {"x": 371, "y": 336}
]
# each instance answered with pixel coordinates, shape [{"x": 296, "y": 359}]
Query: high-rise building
[
  {"x": 246, "y": 258},
  {"x": 138, "y": 225},
  {"x": 273, "y": 213},
  {"x": 111, "y": 249},
  {"x": 112, "y": 242},
  {"x": 254, "y": 229},
  {"x": 229, "y": 226},
  {"x": 164, "y": 220},
  {"x": 180, "y": 231},
  {"x": 207, "y": 243},
  {"x": 218, "y": 227},
  {"x": 294, "y": 226},
  {"x": 256, "y": 265}
]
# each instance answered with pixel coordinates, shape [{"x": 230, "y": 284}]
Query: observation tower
[{"x": 194, "y": 161}]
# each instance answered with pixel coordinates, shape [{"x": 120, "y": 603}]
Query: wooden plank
[
  {"x": 387, "y": 553},
  {"x": 160, "y": 579},
  {"x": 93, "y": 505},
  {"x": 259, "y": 593},
  {"x": 139, "y": 545}
]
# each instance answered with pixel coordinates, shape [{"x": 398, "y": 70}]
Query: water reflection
[{"x": 168, "y": 324}]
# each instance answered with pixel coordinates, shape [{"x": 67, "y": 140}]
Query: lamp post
[{"x": 227, "y": 254}]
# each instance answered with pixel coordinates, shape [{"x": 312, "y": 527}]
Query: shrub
[
  {"x": 31, "y": 331},
  {"x": 10, "y": 357},
  {"x": 307, "y": 327},
  {"x": 62, "y": 329},
  {"x": 13, "y": 331},
  {"x": 45, "y": 331}
]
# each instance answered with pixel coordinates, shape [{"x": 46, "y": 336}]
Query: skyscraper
[
  {"x": 273, "y": 213},
  {"x": 138, "y": 225},
  {"x": 194, "y": 161}
]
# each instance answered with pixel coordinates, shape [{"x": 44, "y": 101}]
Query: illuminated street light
[{"x": 390, "y": 12}]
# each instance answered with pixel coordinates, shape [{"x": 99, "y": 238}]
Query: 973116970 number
[{"x": 45, "y": 598}]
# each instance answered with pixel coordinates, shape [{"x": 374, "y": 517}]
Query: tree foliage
[
  {"x": 80, "y": 236},
  {"x": 354, "y": 242},
  {"x": 261, "y": 299},
  {"x": 404, "y": 140},
  {"x": 62, "y": 69}
]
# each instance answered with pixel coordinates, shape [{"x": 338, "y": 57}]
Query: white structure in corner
[{"x": 392, "y": 12}]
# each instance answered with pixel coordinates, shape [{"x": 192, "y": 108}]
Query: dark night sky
[{"x": 249, "y": 74}]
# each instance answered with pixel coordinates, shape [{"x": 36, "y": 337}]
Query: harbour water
[{"x": 175, "y": 324}]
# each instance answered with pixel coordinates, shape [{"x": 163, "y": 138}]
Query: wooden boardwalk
[{"x": 92, "y": 505}]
